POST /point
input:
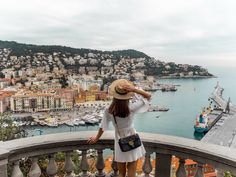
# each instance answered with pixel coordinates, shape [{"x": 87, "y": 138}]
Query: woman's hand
[{"x": 92, "y": 140}]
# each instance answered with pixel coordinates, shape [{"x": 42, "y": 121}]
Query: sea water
[{"x": 184, "y": 105}]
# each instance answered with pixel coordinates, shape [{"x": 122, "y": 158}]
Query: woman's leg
[
  {"x": 132, "y": 168},
  {"x": 122, "y": 169}
]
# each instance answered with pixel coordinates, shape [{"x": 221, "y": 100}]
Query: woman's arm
[
  {"x": 138, "y": 91},
  {"x": 93, "y": 140},
  {"x": 143, "y": 93}
]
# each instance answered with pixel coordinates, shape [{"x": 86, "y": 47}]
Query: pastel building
[
  {"x": 29, "y": 101},
  {"x": 5, "y": 100},
  {"x": 4, "y": 82}
]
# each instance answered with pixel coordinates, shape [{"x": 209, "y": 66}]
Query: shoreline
[{"x": 184, "y": 77}]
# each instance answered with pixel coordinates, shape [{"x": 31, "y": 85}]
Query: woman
[{"x": 124, "y": 109}]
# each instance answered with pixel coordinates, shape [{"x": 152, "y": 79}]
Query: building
[
  {"x": 84, "y": 82},
  {"x": 4, "y": 82},
  {"x": 191, "y": 168},
  {"x": 5, "y": 100},
  {"x": 93, "y": 94},
  {"x": 94, "y": 104},
  {"x": 28, "y": 101}
]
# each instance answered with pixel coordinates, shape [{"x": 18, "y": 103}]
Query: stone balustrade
[{"x": 163, "y": 147}]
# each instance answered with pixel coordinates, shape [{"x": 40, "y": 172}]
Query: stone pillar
[
  {"x": 114, "y": 167},
  {"x": 52, "y": 166},
  {"x": 35, "y": 170},
  {"x": 84, "y": 165},
  {"x": 16, "y": 172},
  {"x": 181, "y": 172},
  {"x": 219, "y": 172},
  {"x": 147, "y": 166},
  {"x": 200, "y": 170},
  {"x": 163, "y": 165},
  {"x": 3, "y": 168},
  {"x": 100, "y": 164},
  {"x": 69, "y": 165}
]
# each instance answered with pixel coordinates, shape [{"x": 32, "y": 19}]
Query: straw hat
[{"x": 118, "y": 92}]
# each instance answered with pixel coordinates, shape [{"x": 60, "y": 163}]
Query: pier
[{"x": 223, "y": 131}]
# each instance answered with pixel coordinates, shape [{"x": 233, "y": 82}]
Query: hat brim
[{"x": 116, "y": 95}]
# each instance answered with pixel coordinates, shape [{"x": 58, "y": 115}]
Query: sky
[{"x": 199, "y": 32}]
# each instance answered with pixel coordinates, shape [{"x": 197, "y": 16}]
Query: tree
[
  {"x": 228, "y": 174},
  {"x": 9, "y": 130}
]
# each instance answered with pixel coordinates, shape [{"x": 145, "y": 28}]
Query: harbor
[
  {"x": 86, "y": 114},
  {"x": 192, "y": 97},
  {"x": 213, "y": 113},
  {"x": 78, "y": 116},
  {"x": 223, "y": 130}
]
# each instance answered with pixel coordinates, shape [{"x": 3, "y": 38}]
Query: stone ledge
[{"x": 164, "y": 144}]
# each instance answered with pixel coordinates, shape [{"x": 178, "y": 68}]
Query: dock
[{"x": 223, "y": 130}]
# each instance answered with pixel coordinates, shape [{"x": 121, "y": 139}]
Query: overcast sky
[{"x": 184, "y": 31}]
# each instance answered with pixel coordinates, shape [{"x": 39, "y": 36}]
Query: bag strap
[{"x": 116, "y": 124}]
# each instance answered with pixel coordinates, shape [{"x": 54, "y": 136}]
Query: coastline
[{"x": 185, "y": 77}]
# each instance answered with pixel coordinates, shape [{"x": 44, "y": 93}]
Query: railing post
[
  {"x": 219, "y": 172},
  {"x": 69, "y": 165},
  {"x": 84, "y": 165},
  {"x": 35, "y": 170},
  {"x": 52, "y": 166},
  {"x": 100, "y": 164},
  {"x": 3, "y": 168},
  {"x": 114, "y": 167},
  {"x": 181, "y": 172},
  {"x": 200, "y": 170},
  {"x": 147, "y": 166},
  {"x": 16, "y": 172},
  {"x": 163, "y": 165}
]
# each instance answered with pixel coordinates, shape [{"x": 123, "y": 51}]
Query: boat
[
  {"x": 201, "y": 124},
  {"x": 173, "y": 89},
  {"x": 168, "y": 88},
  {"x": 150, "y": 89},
  {"x": 81, "y": 123},
  {"x": 90, "y": 120},
  {"x": 52, "y": 124},
  {"x": 42, "y": 123},
  {"x": 70, "y": 124},
  {"x": 78, "y": 122},
  {"x": 157, "y": 108}
]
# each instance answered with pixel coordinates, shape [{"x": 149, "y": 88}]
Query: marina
[
  {"x": 76, "y": 117},
  {"x": 86, "y": 115},
  {"x": 212, "y": 114},
  {"x": 178, "y": 120},
  {"x": 190, "y": 93},
  {"x": 223, "y": 130}
]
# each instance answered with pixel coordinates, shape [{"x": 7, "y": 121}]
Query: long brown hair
[{"x": 119, "y": 108}]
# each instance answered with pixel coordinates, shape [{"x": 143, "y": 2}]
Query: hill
[{"x": 90, "y": 61}]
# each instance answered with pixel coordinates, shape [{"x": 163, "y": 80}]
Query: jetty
[{"x": 223, "y": 131}]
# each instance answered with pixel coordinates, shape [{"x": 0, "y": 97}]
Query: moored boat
[
  {"x": 157, "y": 108},
  {"x": 201, "y": 124}
]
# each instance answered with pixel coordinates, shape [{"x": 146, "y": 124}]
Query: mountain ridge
[
  {"x": 57, "y": 48},
  {"x": 92, "y": 61}
]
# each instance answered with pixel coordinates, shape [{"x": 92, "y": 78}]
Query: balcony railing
[{"x": 162, "y": 146}]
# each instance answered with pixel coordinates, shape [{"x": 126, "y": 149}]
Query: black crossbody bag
[{"x": 128, "y": 143}]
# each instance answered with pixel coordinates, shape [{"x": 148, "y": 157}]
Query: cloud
[{"x": 179, "y": 30}]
